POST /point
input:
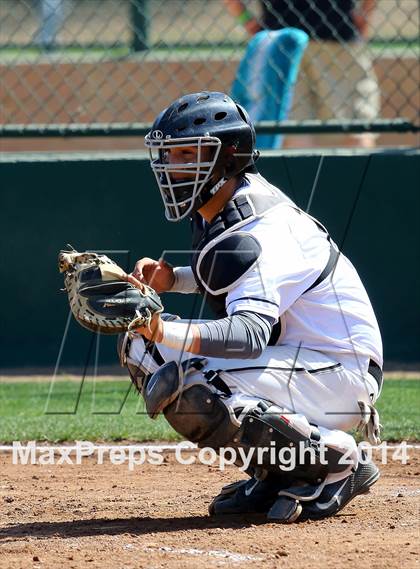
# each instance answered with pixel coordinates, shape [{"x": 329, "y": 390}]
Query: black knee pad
[
  {"x": 193, "y": 409},
  {"x": 161, "y": 388},
  {"x": 201, "y": 416}
]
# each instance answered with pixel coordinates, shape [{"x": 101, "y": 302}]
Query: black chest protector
[{"x": 223, "y": 254}]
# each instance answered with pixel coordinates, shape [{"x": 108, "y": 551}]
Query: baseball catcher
[{"x": 293, "y": 357}]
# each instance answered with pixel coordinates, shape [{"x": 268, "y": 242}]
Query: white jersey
[
  {"x": 335, "y": 317},
  {"x": 319, "y": 369}
]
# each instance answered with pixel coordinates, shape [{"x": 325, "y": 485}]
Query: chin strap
[
  {"x": 212, "y": 190},
  {"x": 208, "y": 193},
  {"x": 217, "y": 186}
]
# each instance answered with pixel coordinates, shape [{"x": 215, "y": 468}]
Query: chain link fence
[{"x": 122, "y": 61}]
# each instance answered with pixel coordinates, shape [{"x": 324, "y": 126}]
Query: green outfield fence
[
  {"x": 369, "y": 202},
  {"x": 89, "y": 62}
]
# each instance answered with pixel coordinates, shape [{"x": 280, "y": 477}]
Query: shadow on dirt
[{"x": 119, "y": 526}]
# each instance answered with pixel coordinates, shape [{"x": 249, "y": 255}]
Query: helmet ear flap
[
  {"x": 225, "y": 166},
  {"x": 229, "y": 164},
  {"x": 228, "y": 157}
]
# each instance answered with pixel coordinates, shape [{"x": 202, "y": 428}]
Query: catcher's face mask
[{"x": 183, "y": 168}]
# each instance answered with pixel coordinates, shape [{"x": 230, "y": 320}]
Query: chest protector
[{"x": 223, "y": 253}]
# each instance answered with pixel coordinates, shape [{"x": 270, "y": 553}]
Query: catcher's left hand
[{"x": 100, "y": 296}]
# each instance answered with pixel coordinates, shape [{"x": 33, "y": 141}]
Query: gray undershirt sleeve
[
  {"x": 243, "y": 335},
  {"x": 184, "y": 281}
]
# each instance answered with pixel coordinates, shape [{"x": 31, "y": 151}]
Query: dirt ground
[{"x": 156, "y": 516}]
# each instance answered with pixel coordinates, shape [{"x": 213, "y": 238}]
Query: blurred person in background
[
  {"x": 336, "y": 79},
  {"x": 51, "y": 15}
]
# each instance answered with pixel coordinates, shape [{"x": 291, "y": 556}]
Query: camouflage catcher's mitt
[{"x": 100, "y": 298}]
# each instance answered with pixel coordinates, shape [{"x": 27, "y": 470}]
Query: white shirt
[{"x": 336, "y": 317}]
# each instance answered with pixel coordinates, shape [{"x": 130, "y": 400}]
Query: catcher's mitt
[{"x": 100, "y": 298}]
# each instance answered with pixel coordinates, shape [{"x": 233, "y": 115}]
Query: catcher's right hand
[{"x": 157, "y": 274}]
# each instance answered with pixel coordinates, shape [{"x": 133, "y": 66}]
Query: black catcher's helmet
[{"x": 223, "y": 136}]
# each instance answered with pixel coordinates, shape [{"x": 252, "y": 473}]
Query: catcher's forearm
[
  {"x": 184, "y": 281},
  {"x": 242, "y": 335},
  {"x": 180, "y": 336}
]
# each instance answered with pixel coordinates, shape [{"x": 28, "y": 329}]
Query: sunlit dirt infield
[{"x": 104, "y": 516}]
